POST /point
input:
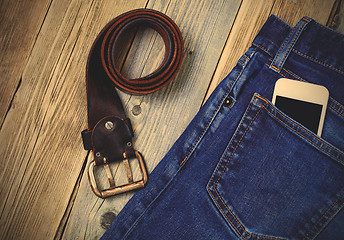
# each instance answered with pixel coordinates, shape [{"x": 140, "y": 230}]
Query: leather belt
[{"x": 109, "y": 134}]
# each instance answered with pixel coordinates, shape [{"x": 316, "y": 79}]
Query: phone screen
[{"x": 306, "y": 113}]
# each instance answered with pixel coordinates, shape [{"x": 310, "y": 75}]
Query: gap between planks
[
  {"x": 91, "y": 219},
  {"x": 289, "y": 11},
  {"x": 253, "y": 32}
]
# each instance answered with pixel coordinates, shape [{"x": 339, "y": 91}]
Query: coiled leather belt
[{"x": 109, "y": 134}]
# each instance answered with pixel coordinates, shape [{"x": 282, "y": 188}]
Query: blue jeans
[{"x": 243, "y": 169}]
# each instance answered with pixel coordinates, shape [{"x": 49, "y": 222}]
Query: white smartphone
[{"x": 304, "y": 102}]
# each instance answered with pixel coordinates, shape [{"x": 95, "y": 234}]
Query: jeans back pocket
[{"x": 276, "y": 179}]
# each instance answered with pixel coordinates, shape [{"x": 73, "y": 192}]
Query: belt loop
[{"x": 284, "y": 51}]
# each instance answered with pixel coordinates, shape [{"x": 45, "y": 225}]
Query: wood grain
[
  {"x": 44, "y": 189},
  {"x": 293, "y": 11},
  {"x": 163, "y": 117},
  {"x": 38, "y": 135},
  {"x": 336, "y": 20},
  {"x": 20, "y": 22},
  {"x": 250, "y": 19}
]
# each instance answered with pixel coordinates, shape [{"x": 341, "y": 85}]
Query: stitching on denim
[
  {"x": 335, "y": 102},
  {"x": 273, "y": 66},
  {"x": 249, "y": 109},
  {"x": 324, "y": 215},
  {"x": 329, "y": 29},
  {"x": 205, "y": 128},
  {"x": 243, "y": 228},
  {"x": 214, "y": 185},
  {"x": 306, "y": 19},
  {"x": 217, "y": 108},
  {"x": 225, "y": 167},
  {"x": 244, "y": 117},
  {"x": 292, "y": 43},
  {"x": 226, "y": 215},
  {"x": 253, "y": 52},
  {"x": 331, "y": 99},
  {"x": 263, "y": 48},
  {"x": 138, "y": 219},
  {"x": 279, "y": 51},
  {"x": 247, "y": 59},
  {"x": 299, "y": 78},
  {"x": 273, "y": 62},
  {"x": 280, "y": 20},
  {"x": 302, "y": 54},
  {"x": 241, "y": 62},
  {"x": 294, "y": 123},
  {"x": 322, "y": 63},
  {"x": 338, "y": 104},
  {"x": 317, "y": 146},
  {"x": 330, "y": 106},
  {"x": 141, "y": 215},
  {"x": 336, "y": 111}
]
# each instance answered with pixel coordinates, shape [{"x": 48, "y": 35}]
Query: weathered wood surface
[
  {"x": 161, "y": 121},
  {"x": 20, "y": 23},
  {"x": 44, "y": 191},
  {"x": 250, "y": 19}
]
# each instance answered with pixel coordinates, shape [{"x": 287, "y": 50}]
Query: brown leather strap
[{"x": 109, "y": 132}]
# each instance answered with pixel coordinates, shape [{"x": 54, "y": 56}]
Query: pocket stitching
[
  {"x": 273, "y": 115},
  {"x": 336, "y": 109},
  {"x": 211, "y": 182},
  {"x": 300, "y": 133},
  {"x": 300, "y": 79},
  {"x": 331, "y": 99},
  {"x": 325, "y": 214},
  {"x": 225, "y": 167}
]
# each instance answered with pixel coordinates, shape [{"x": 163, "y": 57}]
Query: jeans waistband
[{"x": 308, "y": 39}]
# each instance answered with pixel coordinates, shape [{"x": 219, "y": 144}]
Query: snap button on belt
[{"x": 109, "y": 134}]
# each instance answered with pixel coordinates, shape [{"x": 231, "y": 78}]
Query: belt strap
[{"x": 109, "y": 134}]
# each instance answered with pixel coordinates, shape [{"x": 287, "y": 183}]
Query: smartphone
[{"x": 304, "y": 102}]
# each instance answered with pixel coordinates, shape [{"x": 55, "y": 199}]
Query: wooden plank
[
  {"x": 38, "y": 167},
  {"x": 250, "y": 19},
  {"x": 20, "y": 24},
  {"x": 41, "y": 134},
  {"x": 40, "y": 145},
  {"x": 293, "y": 11},
  {"x": 336, "y": 20},
  {"x": 163, "y": 117}
]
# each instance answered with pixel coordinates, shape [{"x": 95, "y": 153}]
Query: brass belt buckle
[{"x": 113, "y": 189}]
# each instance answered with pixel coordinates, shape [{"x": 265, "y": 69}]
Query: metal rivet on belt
[
  {"x": 114, "y": 125},
  {"x": 109, "y": 125}
]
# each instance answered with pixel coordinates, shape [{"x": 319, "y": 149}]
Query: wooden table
[{"x": 44, "y": 190}]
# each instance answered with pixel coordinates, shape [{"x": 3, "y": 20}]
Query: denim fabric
[{"x": 243, "y": 169}]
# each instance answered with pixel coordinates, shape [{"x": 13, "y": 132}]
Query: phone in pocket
[{"x": 304, "y": 102}]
